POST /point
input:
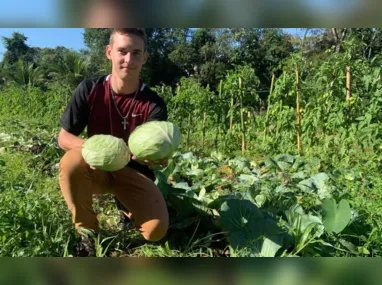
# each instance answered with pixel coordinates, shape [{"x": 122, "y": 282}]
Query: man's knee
[
  {"x": 72, "y": 162},
  {"x": 155, "y": 230}
]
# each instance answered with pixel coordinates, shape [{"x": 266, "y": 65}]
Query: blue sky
[
  {"x": 47, "y": 37},
  {"x": 53, "y": 37}
]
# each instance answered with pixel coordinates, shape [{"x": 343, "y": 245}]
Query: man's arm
[
  {"x": 74, "y": 118},
  {"x": 68, "y": 141}
]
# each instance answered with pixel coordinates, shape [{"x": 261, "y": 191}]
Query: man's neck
[{"x": 120, "y": 86}]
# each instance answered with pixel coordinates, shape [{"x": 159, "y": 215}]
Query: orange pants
[{"x": 139, "y": 194}]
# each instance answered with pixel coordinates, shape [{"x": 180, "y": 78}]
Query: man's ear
[{"x": 108, "y": 51}]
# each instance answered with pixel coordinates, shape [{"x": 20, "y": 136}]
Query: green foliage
[
  {"x": 336, "y": 218},
  {"x": 16, "y": 49},
  {"x": 324, "y": 203},
  {"x": 70, "y": 70}
]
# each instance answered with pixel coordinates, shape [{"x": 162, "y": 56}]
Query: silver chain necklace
[{"x": 124, "y": 122}]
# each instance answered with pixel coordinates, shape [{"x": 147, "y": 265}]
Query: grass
[{"x": 36, "y": 222}]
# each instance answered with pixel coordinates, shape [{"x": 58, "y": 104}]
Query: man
[{"x": 113, "y": 104}]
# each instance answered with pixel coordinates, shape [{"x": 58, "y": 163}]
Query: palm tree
[
  {"x": 26, "y": 74},
  {"x": 71, "y": 70}
]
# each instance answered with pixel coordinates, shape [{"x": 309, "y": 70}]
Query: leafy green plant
[{"x": 335, "y": 217}]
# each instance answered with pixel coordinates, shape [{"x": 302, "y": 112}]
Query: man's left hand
[{"x": 151, "y": 164}]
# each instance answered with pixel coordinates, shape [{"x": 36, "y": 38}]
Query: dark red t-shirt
[{"x": 92, "y": 106}]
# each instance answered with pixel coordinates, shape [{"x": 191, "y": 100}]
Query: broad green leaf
[
  {"x": 166, "y": 188},
  {"x": 187, "y": 205},
  {"x": 182, "y": 205},
  {"x": 240, "y": 164},
  {"x": 185, "y": 223},
  {"x": 282, "y": 189},
  {"x": 299, "y": 175},
  {"x": 191, "y": 194},
  {"x": 335, "y": 218},
  {"x": 260, "y": 200},
  {"x": 196, "y": 172},
  {"x": 284, "y": 161},
  {"x": 248, "y": 179},
  {"x": 217, "y": 155},
  {"x": 271, "y": 245},
  {"x": 285, "y": 157},
  {"x": 308, "y": 219},
  {"x": 298, "y": 163},
  {"x": 216, "y": 204},
  {"x": 202, "y": 193},
  {"x": 189, "y": 156},
  {"x": 316, "y": 183},
  {"x": 243, "y": 221},
  {"x": 182, "y": 185}
]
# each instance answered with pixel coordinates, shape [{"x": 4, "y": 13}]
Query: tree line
[{"x": 206, "y": 54}]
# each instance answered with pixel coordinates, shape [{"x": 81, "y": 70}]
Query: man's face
[{"x": 127, "y": 55}]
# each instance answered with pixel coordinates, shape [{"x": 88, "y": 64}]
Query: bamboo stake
[
  {"x": 204, "y": 128},
  {"x": 298, "y": 113},
  {"x": 189, "y": 130},
  {"x": 348, "y": 94},
  {"x": 231, "y": 117},
  {"x": 269, "y": 102},
  {"x": 242, "y": 117},
  {"x": 218, "y": 121}
]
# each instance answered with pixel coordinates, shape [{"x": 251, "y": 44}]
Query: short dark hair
[{"x": 140, "y": 32}]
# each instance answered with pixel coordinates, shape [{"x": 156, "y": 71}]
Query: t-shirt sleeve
[
  {"x": 158, "y": 111},
  {"x": 75, "y": 117}
]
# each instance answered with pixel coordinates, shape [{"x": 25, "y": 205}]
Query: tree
[
  {"x": 27, "y": 74},
  {"x": 17, "y": 49},
  {"x": 370, "y": 41},
  {"x": 96, "y": 41},
  {"x": 339, "y": 36},
  {"x": 275, "y": 46},
  {"x": 71, "y": 69}
]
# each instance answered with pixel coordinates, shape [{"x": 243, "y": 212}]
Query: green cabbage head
[
  {"x": 154, "y": 141},
  {"x": 106, "y": 152}
]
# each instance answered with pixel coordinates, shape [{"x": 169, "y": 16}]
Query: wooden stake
[
  {"x": 348, "y": 94},
  {"x": 269, "y": 103},
  {"x": 269, "y": 97},
  {"x": 242, "y": 116},
  {"x": 218, "y": 119},
  {"x": 204, "y": 128},
  {"x": 230, "y": 119},
  {"x": 298, "y": 113},
  {"x": 189, "y": 130}
]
